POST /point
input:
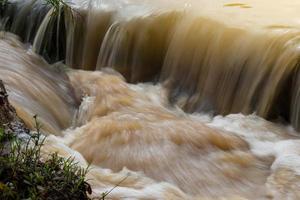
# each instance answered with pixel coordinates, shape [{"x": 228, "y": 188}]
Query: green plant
[
  {"x": 24, "y": 175},
  {"x": 57, "y": 5},
  {"x": 105, "y": 194},
  {"x": 3, "y": 2}
]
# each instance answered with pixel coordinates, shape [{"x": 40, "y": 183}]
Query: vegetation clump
[
  {"x": 24, "y": 175},
  {"x": 57, "y": 5},
  {"x": 3, "y": 4},
  {"x": 23, "y": 172}
]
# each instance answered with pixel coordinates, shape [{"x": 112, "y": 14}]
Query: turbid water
[{"x": 165, "y": 71}]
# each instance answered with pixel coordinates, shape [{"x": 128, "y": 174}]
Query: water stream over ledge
[{"x": 160, "y": 74}]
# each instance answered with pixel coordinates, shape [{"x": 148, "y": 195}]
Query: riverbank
[{"x": 24, "y": 173}]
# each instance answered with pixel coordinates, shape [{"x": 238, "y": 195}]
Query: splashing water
[
  {"x": 185, "y": 45},
  {"x": 207, "y": 58}
]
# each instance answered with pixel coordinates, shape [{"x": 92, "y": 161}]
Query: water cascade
[
  {"x": 173, "y": 94},
  {"x": 185, "y": 51},
  {"x": 34, "y": 88}
]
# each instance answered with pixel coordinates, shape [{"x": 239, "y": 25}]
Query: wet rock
[{"x": 9, "y": 120}]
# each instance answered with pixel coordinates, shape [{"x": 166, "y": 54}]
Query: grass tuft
[
  {"x": 3, "y": 4},
  {"x": 24, "y": 175},
  {"x": 57, "y": 5}
]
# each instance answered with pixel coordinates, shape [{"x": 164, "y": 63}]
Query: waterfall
[
  {"x": 182, "y": 50},
  {"x": 189, "y": 99}
]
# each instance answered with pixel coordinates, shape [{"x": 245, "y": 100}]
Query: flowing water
[{"x": 184, "y": 99}]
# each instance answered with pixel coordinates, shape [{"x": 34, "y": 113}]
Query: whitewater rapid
[
  {"x": 132, "y": 130},
  {"x": 153, "y": 114}
]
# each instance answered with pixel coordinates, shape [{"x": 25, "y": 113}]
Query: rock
[{"x": 10, "y": 123}]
